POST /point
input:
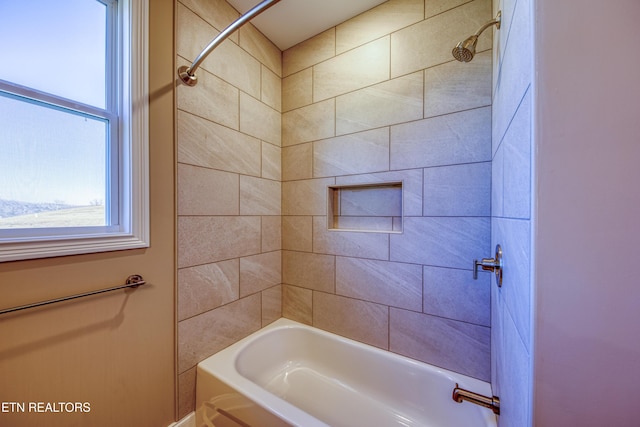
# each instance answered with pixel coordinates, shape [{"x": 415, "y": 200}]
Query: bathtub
[{"x": 290, "y": 374}]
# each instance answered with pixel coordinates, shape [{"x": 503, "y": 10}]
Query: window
[{"x": 73, "y": 127}]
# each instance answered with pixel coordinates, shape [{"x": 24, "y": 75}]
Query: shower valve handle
[{"x": 490, "y": 264}]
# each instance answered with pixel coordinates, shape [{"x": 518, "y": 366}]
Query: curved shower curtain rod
[{"x": 188, "y": 74}]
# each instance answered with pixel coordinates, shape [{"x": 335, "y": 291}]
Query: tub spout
[{"x": 493, "y": 403}]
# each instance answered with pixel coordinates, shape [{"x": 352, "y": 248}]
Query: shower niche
[{"x": 365, "y": 207}]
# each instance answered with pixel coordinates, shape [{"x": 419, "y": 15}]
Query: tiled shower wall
[
  {"x": 380, "y": 99},
  {"x": 511, "y": 212},
  {"x": 376, "y": 99},
  {"x": 229, "y": 189}
]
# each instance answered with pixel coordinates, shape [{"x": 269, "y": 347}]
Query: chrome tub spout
[{"x": 493, "y": 403}]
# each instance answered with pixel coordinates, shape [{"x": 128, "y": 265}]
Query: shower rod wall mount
[{"x": 188, "y": 74}]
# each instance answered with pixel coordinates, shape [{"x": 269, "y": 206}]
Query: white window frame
[{"x": 132, "y": 232}]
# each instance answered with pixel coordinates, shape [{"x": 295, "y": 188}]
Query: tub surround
[{"x": 376, "y": 99}]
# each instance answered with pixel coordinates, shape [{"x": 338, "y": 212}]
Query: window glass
[
  {"x": 58, "y": 47},
  {"x": 53, "y": 166}
]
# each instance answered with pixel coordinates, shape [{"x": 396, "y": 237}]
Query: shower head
[{"x": 466, "y": 50}]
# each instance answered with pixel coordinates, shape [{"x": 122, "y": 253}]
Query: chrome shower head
[{"x": 466, "y": 50}]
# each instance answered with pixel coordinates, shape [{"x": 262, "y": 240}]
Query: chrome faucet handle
[{"x": 490, "y": 264}]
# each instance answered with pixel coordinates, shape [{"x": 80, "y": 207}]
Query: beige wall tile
[
  {"x": 297, "y": 233},
  {"x": 395, "y": 101},
  {"x": 352, "y": 154},
  {"x": 205, "y": 287},
  {"x": 309, "y": 52},
  {"x": 271, "y": 161},
  {"x": 259, "y": 272},
  {"x": 389, "y": 283},
  {"x": 271, "y": 233},
  {"x": 203, "y": 191},
  {"x": 315, "y": 121},
  {"x": 261, "y": 48},
  {"x": 355, "y": 69},
  {"x": 305, "y": 197},
  {"x": 378, "y": 22},
  {"x": 224, "y": 110},
  {"x": 349, "y": 243},
  {"x": 358, "y": 320},
  {"x": 201, "y": 336},
  {"x": 193, "y": 33},
  {"x": 462, "y": 347},
  {"x": 271, "y": 305},
  {"x": 311, "y": 271},
  {"x": 271, "y": 89},
  {"x": 297, "y": 304},
  {"x": 434, "y": 7},
  {"x": 297, "y": 90},
  {"x": 430, "y": 42},
  {"x": 234, "y": 65},
  {"x": 457, "y": 86},
  {"x": 218, "y": 13},
  {"x": 365, "y": 223},
  {"x": 385, "y": 200},
  {"x": 204, "y": 143},
  {"x": 297, "y": 162},
  {"x": 259, "y": 120},
  {"x": 203, "y": 240},
  {"x": 412, "y": 184},
  {"x": 186, "y": 392},
  {"x": 259, "y": 196},
  {"x": 431, "y": 142}
]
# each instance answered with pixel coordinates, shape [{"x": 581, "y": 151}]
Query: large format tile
[
  {"x": 411, "y": 186},
  {"x": 203, "y": 191},
  {"x": 309, "y": 123},
  {"x": 429, "y": 42},
  {"x": 308, "y": 270},
  {"x": 259, "y": 272},
  {"x": 456, "y": 86},
  {"x": 201, "y": 336},
  {"x": 358, "y": 320},
  {"x": 204, "y": 143},
  {"x": 394, "y": 101},
  {"x": 225, "y": 109},
  {"x": 306, "y": 197},
  {"x": 297, "y": 304},
  {"x": 310, "y": 52},
  {"x": 297, "y": 90},
  {"x": 358, "y": 153},
  {"x": 271, "y": 305},
  {"x": 205, "y": 287},
  {"x": 390, "y": 283},
  {"x": 442, "y": 241},
  {"x": 297, "y": 162},
  {"x": 261, "y": 48},
  {"x": 349, "y": 243},
  {"x": 297, "y": 233},
  {"x": 271, "y": 233},
  {"x": 355, "y": 69},
  {"x": 202, "y": 240},
  {"x": 384, "y": 19},
  {"x": 458, "y": 346},
  {"x": 458, "y": 190},
  {"x": 259, "y": 120},
  {"x": 453, "y": 294},
  {"x": 259, "y": 196},
  {"x": 463, "y": 137}
]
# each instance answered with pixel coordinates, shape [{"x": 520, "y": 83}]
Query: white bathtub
[{"x": 291, "y": 374}]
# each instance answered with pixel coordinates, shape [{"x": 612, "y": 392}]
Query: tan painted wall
[{"x": 116, "y": 350}]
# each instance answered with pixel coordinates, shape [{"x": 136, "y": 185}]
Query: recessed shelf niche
[{"x": 365, "y": 207}]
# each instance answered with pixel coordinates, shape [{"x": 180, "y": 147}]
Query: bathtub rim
[{"x": 222, "y": 365}]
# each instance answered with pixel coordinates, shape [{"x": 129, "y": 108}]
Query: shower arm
[
  {"x": 495, "y": 21},
  {"x": 188, "y": 74}
]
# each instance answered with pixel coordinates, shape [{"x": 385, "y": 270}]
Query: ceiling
[{"x": 291, "y": 21}]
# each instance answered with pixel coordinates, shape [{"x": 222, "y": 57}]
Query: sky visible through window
[{"x": 47, "y": 155}]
